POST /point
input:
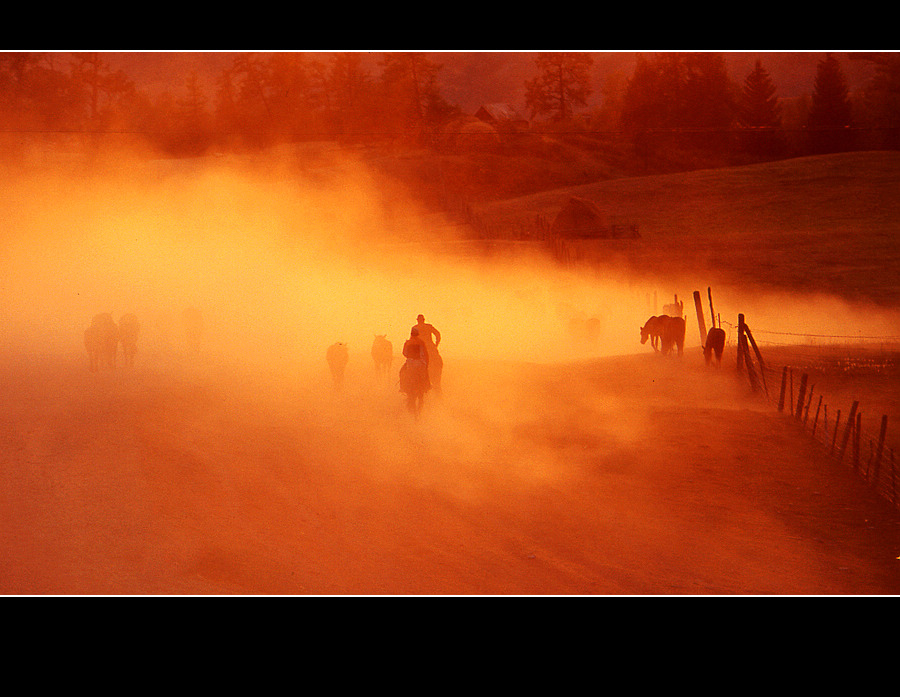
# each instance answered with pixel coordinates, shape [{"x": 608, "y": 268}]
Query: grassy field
[
  {"x": 806, "y": 228},
  {"x": 816, "y": 224}
]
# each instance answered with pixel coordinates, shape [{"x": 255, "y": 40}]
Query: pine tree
[
  {"x": 759, "y": 115},
  {"x": 563, "y": 84},
  {"x": 708, "y": 101},
  {"x": 882, "y": 98},
  {"x": 829, "y": 122}
]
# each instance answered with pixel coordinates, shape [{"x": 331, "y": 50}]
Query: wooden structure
[{"x": 503, "y": 117}]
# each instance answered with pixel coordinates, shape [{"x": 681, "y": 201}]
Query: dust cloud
[{"x": 281, "y": 262}]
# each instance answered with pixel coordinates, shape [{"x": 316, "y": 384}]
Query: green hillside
[{"x": 827, "y": 223}]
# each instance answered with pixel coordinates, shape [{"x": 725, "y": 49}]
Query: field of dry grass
[{"x": 817, "y": 224}]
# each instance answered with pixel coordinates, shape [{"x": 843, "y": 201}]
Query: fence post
[
  {"x": 784, "y": 372},
  {"x": 880, "y": 449},
  {"x": 700, "y": 321},
  {"x": 759, "y": 358},
  {"x": 816, "y": 419},
  {"x": 837, "y": 421},
  {"x": 741, "y": 340},
  {"x": 802, "y": 397},
  {"x": 846, "y": 437},
  {"x": 791, "y": 390},
  {"x": 893, "y": 479}
]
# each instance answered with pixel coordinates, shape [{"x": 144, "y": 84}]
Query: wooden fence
[{"x": 863, "y": 444}]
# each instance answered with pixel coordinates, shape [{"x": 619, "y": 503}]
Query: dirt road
[{"x": 631, "y": 475}]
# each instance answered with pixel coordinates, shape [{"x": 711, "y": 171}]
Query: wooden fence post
[
  {"x": 791, "y": 392},
  {"x": 802, "y": 397},
  {"x": 700, "y": 321},
  {"x": 837, "y": 421},
  {"x": 816, "y": 419},
  {"x": 850, "y": 423},
  {"x": 880, "y": 449},
  {"x": 751, "y": 372},
  {"x": 784, "y": 372},
  {"x": 893, "y": 479},
  {"x": 759, "y": 358},
  {"x": 744, "y": 355},
  {"x": 856, "y": 433}
]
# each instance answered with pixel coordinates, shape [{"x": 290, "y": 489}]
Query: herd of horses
[
  {"x": 337, "y": 356},
  {"x": 102, "y": 339},
  {"x": 666, "y": 332}
]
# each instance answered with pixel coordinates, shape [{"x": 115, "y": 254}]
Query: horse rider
[
  {"x": 432, "y": 339},
  {"x": 414, "y": 372}
]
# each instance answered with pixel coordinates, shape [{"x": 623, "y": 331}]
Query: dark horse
[
  {"x": 672, "y": 335},
  {"x": 664, "y": 332},
  {"x": 414, "y": 379},
  {"x": 715, "y": 344},
  {"x": 651, "y": 330}
]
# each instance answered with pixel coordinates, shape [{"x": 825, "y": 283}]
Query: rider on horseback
[{"x": 414, "y": 372}]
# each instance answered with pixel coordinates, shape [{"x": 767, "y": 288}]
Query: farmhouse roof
[{"x": 498, "y": 112}]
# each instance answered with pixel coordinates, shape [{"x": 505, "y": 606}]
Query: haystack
[{"x": 582, "y": 218}]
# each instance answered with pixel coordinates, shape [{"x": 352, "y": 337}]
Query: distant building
[{"x": 502, "y": 117}]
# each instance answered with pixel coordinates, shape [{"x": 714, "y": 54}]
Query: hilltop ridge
[{"x": 823, "y": 222}]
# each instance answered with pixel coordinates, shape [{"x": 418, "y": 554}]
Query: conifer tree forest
[{"x": 672, "y": 102}]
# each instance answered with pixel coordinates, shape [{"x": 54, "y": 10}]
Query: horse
[
  {"x": 672, "y": 334},
  {"x": 129, "y": 329},
  {"x": 715, "y": 343},
  {"x": 382, "y": 354},
  {"x": 101, "y": 340},
  {"x": 414, "y": 381},
  {"x": 664, "y": 332},
  {"x": 651, "y": 330},
  {"x": 337, "y": 356}
]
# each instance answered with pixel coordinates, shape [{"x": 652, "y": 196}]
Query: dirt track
[{"x": 627, "y": 475}]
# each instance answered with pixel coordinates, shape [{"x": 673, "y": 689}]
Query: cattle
[{"x": 715, "y": 344}]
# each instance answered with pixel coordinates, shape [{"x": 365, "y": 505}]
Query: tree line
[
  {"x": 672, "y": 100},
  {"x": 259, "y": 100}
]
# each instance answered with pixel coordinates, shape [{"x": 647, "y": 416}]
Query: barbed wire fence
[{"x": 782, "y": 368}]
